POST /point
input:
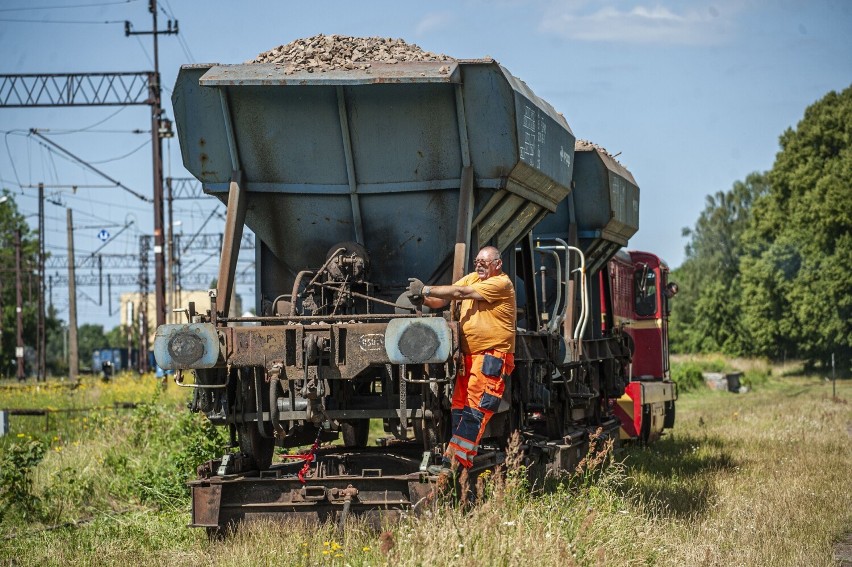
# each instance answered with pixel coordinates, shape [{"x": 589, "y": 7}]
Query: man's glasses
[{"x": 483, "y": 263}]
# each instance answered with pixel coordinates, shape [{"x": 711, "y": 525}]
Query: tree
[
  {"x": 798, "y": 261},
  {"x": 89, "y": 338},
  {"x": 11, "y": 221},
  {"x": 707, "y": 312}
]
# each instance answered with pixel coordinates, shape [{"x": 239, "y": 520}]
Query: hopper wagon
[{"x": 354, "y": 181}]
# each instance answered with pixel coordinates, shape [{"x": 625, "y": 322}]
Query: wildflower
[
  {"x": 21, "y": 435},
  {"x": 365, "y": 548}
]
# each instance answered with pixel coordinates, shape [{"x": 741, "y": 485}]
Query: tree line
[
  {"x": 768, "y": 266},
  {"x": 89, "y": 337}
]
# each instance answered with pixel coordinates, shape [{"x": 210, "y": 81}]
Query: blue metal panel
[
  {"x": 179, "y": 347},
  {"x": 274, "y": 74},
  {"x": 200, "y": 130},
  {"x": 606, "y": 202},
  {"x": 397, "y": 128},
  {"x": 404, "y": 133},
  {"x": 418, "y": 341}
]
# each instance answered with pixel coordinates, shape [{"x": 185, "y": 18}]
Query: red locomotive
[{"x": 640, "y": 307}]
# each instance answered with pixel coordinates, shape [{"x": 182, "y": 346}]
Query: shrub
[
  {"x": 687, "y": 375},
  {"x": 754, "y": 377},
  {"x": 16, "y": 482}
]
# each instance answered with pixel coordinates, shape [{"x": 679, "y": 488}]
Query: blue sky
[{"x": 692, "y": 95}]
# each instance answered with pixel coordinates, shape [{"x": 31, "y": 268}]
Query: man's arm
[{"x": 438, "y": 296}]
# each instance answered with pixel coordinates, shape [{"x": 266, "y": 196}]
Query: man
[{"x": 487, "y": 318}]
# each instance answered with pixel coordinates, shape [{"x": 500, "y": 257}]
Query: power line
[
  {"x": 87, "y": 22},
  {"x": 83, "y": 162},
  {"x": 128, "y": 154},
  {"x": 62, "y": 7}
]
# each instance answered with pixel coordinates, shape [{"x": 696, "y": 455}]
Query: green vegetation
[
  {"x": 768, "y": 262},
  {"x": 752, "y": 479}
]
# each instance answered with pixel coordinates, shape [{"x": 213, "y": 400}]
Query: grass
[{"x": 751, "y": 479}]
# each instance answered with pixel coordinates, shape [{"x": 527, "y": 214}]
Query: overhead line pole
[
  {"x": 41, "y": 371},
  {"x": 19, "y": 312},
  {"x": 159, "y": 129},
  {"x": 73, "y": 361}
]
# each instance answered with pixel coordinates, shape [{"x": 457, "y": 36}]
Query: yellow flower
[
  {"x": 325, "y": 543},
  {"x": 325, "y": 552},
  {"x": 365, "y": 548},
  {"x": 335, "y": 546},
  {"x": 21, "y": 435}
]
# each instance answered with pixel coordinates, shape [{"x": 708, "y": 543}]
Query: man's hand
[{"x": 415, "y": 291}]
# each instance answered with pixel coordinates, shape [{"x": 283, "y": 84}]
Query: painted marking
[{"x": 372, "y": 342}]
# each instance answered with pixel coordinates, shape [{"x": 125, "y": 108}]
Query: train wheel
[
  {"x": 355, "y": 432},
  {"x": 252, "y": 443},
  {"x": 645, "y": 429},
  {"x": 258, "y": 447}
]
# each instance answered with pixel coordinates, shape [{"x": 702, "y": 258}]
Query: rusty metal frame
[
  {"x": 346, "y": 136},
  {"x": 235, "y": 217},
  {"x": 465, "y": 210}
]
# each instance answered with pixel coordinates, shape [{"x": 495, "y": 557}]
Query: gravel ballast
[{"x": 322, "y": 53}]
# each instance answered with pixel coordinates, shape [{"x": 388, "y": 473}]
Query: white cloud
[
  {"x": 433, "y": 21},
  {"x": 693, "y": 23}
]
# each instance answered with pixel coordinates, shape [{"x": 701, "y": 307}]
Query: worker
[{"x": 487, "y": 319}]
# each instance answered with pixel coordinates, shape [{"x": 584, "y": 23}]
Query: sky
[{"x": 691, "y": 95}]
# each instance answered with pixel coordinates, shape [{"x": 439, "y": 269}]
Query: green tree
[
  {"x": 117, "y": 336},
  {"x": 89, "y": 338},
  {"x": 706, "y": 314},
  {"x": 796, "y": 270},
  {"x": 12, "y": 221}
]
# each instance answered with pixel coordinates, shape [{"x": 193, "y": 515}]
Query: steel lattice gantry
[
  {"x": 104, "y": 89},
  {"x": 76, "y": 89},
  {"x": 194, "y": 279}
]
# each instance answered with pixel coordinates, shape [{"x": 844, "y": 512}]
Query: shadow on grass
[{"x": 675, "y": 477}]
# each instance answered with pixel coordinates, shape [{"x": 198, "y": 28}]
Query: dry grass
[{"x": 754, "y": 479}]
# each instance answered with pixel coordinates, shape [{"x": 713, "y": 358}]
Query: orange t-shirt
[{"x": 488, "y": 324}]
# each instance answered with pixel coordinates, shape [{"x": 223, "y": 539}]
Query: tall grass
[{"x": 754, "y": 479}]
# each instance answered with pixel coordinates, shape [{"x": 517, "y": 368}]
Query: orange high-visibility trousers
[{"x": 476, "y": 397}]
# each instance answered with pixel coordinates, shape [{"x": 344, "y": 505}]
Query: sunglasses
[{"x": 479, "y": 262}]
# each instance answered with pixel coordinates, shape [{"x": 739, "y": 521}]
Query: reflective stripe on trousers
[{"x": 475, "y": 399}]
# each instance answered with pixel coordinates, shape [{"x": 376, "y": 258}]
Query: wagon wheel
[
  {"x": 355, "y": 432},
  {"x": 252, "y": 443}
]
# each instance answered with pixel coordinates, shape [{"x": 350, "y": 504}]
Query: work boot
[{"x": 445, "y": 468}]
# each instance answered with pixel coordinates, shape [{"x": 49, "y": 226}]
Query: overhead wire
[
  {"x": 87, "y": 22},
  {"x": 67, "y": 6},
  {"x": 144, "y": 50},
  {"x": 87, "y": 128},
  {"x": 128, "y": 154}
]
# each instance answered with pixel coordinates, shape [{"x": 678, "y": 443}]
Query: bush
[
  {"x": 16, "y": 482},
  {"x": 186, "y": 441},
  {"x": 687, "y": 375},
  {"x": 754, "y": 377}
]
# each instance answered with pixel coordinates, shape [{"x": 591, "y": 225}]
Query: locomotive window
[{"x": 645, "y": 292}]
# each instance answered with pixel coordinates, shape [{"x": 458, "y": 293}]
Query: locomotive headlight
[
  {"x": 418, "y": 341},
  {"x": 179, "y": 347}
]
